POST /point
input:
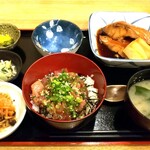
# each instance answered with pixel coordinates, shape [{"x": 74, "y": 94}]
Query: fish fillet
[{"x": 120, "y": 30}]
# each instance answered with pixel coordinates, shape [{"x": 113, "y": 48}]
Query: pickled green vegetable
[
  {"x": 7, "y": 70},
  {"x": 6, "y": 40}
]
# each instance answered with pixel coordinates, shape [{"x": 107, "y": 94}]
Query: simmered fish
[
  {"x": 118, "y": 35},
  {"x": 120, "y": 30}
]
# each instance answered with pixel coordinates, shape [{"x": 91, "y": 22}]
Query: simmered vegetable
[{"x": 137, "y": 49}]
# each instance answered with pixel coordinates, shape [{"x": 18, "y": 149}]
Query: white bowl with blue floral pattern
[
  {"x": 98, "y": 20},
  {"x": 55, "y": 36}
]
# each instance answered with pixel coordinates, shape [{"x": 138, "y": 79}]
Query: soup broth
[{"x": 139, "y": 94}]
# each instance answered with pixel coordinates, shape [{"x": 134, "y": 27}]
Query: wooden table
[
  {"x": 27, "y": 14},
  {"x": 77, "y": 146}
]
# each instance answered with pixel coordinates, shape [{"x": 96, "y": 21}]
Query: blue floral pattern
[{"x": 57, "y": 36}]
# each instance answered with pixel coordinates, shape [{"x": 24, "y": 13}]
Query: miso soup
[{"x": 139, "y": 94}]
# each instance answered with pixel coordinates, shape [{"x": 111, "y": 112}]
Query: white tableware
[
  {"x": 98, "y": 20},
  {"x": 16, "y": 95}
]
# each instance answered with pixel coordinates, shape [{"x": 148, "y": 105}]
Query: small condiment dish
[
  {"x": 116, "y": 93},
  {"x": 9, "y": 36},
  {"x": 9, "y": 71},
  {"x": 56, "y": 36}
]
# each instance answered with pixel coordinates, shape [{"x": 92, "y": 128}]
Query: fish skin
[
  {"x": 114, "y": 45},
  {"x": 121, "y": 29}
]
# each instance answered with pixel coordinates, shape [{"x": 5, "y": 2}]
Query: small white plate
[
  {"x": 19, "y": 103},
  {"x": 98, "y": 20}
]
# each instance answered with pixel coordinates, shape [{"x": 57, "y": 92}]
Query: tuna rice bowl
[{"x": 64, "y": 95}]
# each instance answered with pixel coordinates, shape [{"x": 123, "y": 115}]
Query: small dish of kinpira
[{"x": 12, "y": 108}]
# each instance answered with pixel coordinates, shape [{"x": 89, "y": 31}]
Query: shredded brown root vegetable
[{"x": 7, "y": 111}]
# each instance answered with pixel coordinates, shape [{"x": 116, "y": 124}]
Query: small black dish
[{"x": 15, "y": 60}]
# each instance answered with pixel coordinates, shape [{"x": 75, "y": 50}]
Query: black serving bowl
[{"x": 134, "y": 107}]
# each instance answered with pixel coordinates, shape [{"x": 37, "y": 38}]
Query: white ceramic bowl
[
  {"x": 16, "y": 94},
  {"x": 98, "y": 20}
]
